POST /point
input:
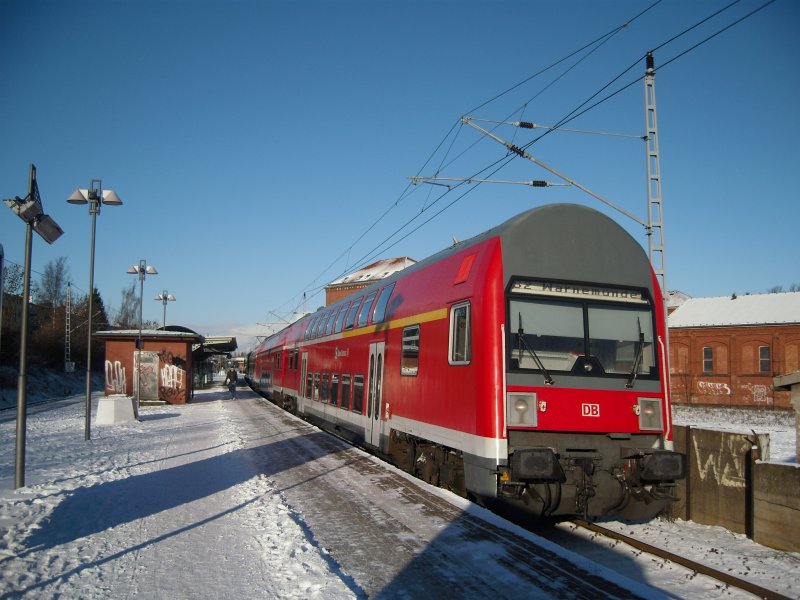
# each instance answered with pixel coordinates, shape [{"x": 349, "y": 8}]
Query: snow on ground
[
  {"x": 182, "y": 513},
  {"x": 780, "y": 424}
]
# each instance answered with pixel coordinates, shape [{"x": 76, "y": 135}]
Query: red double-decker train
[{"x": 525, "y": 366}]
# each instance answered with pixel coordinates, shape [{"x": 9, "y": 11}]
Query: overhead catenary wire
[{"x": 578, "y": 111}]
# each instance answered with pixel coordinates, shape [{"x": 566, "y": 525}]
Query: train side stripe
[{"x": 433, "y": 315}]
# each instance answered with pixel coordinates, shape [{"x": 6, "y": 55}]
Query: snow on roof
[
  {"x": 755, "y": 309},
  {"x": 377, "y": 270}
]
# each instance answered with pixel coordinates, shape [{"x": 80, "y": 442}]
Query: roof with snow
[
  {"x": 755, "y": 309},
  {"x": 375, "y": 271}
]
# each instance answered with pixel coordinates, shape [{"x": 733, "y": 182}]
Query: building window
[
  {"x": 460, "y": 335},
  {"x": 409, "y": 357},
  {"x": 708, "y": 359},
  {"x": 764, "y": 362}
]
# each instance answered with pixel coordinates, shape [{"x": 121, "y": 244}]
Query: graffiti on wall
[
  {"x": 173, "y": 376},
  {"x": 724, "y": 464},
  {"x": 756, "y": 392},
  {"x": 713, "y": 388},
  {"x": 115, "y": 377}
]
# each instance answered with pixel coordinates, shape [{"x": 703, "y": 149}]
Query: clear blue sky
[{"x": 255, "y": 142}]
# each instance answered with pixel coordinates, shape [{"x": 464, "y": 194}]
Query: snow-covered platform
[{"x": 222, "y": 498}]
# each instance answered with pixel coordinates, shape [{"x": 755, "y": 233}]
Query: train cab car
[{"x": 526, "y": 366}]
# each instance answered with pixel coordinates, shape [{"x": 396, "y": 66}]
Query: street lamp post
[
  {"x": 29, "y": 209},
  {"x": 94, "y": 197},
  {"x": 165, "y": 297},
  {"x": 142, "y": 270}
]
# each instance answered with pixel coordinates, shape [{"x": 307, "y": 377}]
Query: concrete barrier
[
  {"x": 728, "y": 486},
  {"x": 776, "y": 504},
  {"x": 116, "y": 408}
]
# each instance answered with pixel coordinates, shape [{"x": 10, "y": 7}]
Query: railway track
[{"x": 697, "y": 567}]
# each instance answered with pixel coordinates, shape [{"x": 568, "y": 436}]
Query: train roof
[{"x": 558, "y": 239}]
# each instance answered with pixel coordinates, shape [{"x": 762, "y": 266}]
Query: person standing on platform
[{"x": 231, "y": 379}]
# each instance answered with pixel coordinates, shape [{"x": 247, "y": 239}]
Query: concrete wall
[
  {"x": 777, "y": 506},
  {"x": 727, "y": 486}
]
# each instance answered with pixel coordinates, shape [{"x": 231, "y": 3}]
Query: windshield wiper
[
  {"x": 523, "y": 344},
  {"x": 636, "y": 361}
]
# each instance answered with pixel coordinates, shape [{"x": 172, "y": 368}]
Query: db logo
[{"x": 590, "y": 410}]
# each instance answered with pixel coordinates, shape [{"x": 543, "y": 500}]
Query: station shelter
[{"x": 172, "y": 362}]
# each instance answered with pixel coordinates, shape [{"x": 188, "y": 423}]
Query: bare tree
[
  {"x": 53, "y": 282},
  {"x": 128, "y": 313}
]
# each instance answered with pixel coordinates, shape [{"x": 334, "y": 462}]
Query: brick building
[
  {"x": 726, "y": 351},
  {"x": 358, "y": 280}
]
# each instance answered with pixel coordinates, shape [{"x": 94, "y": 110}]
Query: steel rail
[{"x": 726, "y": 578}]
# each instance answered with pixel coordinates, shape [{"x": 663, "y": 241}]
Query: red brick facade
[
  {"x": 166, "y": 365},
  {"x": 736, "y": 371}
]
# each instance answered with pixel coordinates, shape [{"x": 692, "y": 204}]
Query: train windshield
[{"x": 580, "y": 330}]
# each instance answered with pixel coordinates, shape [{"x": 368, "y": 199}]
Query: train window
[
  {"x": 345, "y": 391},
  {"x": 320, "y": 326},
  {"x": 621, "y": 339},
  {"x": 309, "y": 385},
  {"x": 409, "y": 357},
  {"x": 351, "y": 316},
  {"x": 358, "y": 394},
  {"x": 316, "y": 387},
  {"x": 380, "y": 306},
  {"x": 329, "y": 326},
  {"x": 363, "y": 314},
  {"x": 309, "y": 328},
  {"x": 334, "y": 389},
  {"x": 323, "y": 390},
  {"x": 460, "y": 335},
  {"x": 340, "y": 319}
]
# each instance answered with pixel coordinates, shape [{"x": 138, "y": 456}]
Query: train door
[
  {"x": 303, "y": 371},
  {"x": 374, "y": 424}
]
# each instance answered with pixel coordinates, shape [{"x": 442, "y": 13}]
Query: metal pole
[
  {"x": 164, "y": 300},
  {"x": 87, "y": 434},
  {"x": 142, "y": 267},
  {"x": 22, "y": 380}
]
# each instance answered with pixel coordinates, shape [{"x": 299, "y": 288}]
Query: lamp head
[{"x": 79, "y": 197}]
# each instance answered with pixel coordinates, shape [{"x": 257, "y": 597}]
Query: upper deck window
[
  {"x": 340, "y": 319},
  {"x": 329, "y": 326},
  {"x": 363, "y": 314},
  {"x": 383, "y": 301},
  {"x": 351, "y": 316}
]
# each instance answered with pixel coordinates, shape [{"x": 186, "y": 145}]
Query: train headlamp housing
[
  {"x": 521, "y": 409},
  {"x": 649, "y": 412},
  {"x": 536, "y": 464},
  {"x": 663, "y": 465}
]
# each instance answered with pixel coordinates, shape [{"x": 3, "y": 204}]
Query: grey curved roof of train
[{"x": 572, "y": 238}]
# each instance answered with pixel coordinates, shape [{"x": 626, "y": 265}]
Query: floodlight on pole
[
  {"x": 142, "y": 270},
  {"x": 94, "y": 196},
  {"x": 165, "y": 297},
  {"x": 29, "y": 209}
]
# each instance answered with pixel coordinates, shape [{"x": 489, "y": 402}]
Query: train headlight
[
  {"x": 521, "y": 409},
  {"x": 649, "y": 411},
  {"x": 663, "y": 465}
]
